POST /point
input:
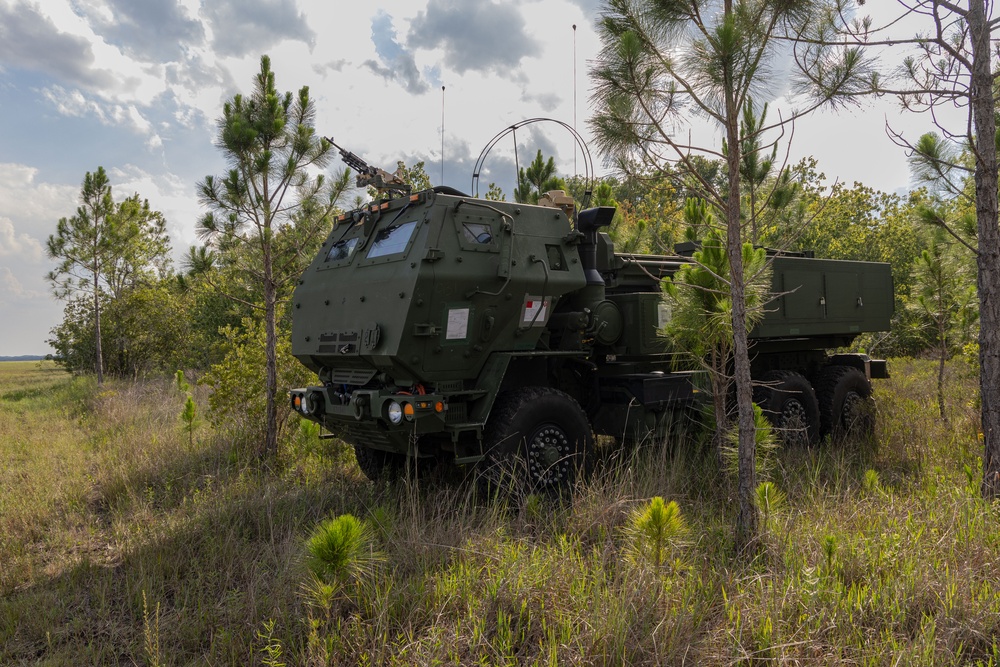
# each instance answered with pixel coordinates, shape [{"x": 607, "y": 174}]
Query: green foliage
[
  {"x": 944, "y": 297},
  {"x": 188, "y": 416},
  {"x": 829, "y": 552},
  {"x": 237, "y": 401},
  {"x": 84, "y": 242},
  {"x": 770, "y": 499},
  {"x": 342, "y": 549},
  {"x": 944, "y": 292},
  {"x": 701, "y": 322},
  {"x": 144, "y": 331},
  {"x": 142, "y": 247},
  {"x": 938, "y": 164},
  {"x": 649, "y": 224},
  {"x": 182, "y": 383},
  {"x": 655, "y": 529},
  {"x": 764, "y": 194},
  {"x": 766, "y": 445},
  {"x": 495, "y": 193},
  {"x": 274, "y": 150},
  {"x": 871, "y": 482},
  {"x": 271, "y": 650},
  {"x": 209, "y": 309},
  {"x": 538, "y": 178},
  {"x": 105, "y": 253}
]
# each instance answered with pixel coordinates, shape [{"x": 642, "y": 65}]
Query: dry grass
[{"x": 122, "y": 544}]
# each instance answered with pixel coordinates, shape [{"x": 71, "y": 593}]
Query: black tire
[
  {"x": 537, "y": 440},
  {"x": 789, "y": 403},
  {"x": 378, "y": 465},
  {"x": 846, "y": 406}
]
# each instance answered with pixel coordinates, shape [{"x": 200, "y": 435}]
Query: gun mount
[{"x": 369, "y": 176}]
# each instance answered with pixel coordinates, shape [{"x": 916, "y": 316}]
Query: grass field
[{"x": 125, "y": 541}]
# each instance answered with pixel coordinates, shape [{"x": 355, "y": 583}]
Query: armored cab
[{"x": 414, "y": 309}]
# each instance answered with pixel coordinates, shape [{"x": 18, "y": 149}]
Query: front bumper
[{"x": 400, "y": 412}]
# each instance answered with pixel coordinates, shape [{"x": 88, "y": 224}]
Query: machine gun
[{"x": 372, "y": 176}]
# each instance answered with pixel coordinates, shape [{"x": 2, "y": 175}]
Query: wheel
[
  {"x": 846, "y": 406},
  {"x": 790, "y": 404},
  {"x": 378, "y": 465},
  {"x": 537, "y": 439}
]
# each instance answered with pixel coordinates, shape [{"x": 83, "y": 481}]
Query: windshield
[
  {"x": 342, "y": 250},
  {"x": 392, "y": 240}
]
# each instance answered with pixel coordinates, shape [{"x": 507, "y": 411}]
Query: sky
[{"x": 136, "y": 86}]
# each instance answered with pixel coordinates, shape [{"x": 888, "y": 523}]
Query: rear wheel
[
  {"x": 537, "y": 440},
  {"x": 845, "y": 402},
  {"x": 790, "y": 404}
]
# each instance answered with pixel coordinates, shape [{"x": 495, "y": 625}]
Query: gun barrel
[{"x": 352, "y": 160}]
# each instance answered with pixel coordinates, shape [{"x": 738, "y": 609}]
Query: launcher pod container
[{"x": 506, "y": 335}]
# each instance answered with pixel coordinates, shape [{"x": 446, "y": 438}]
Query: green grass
[{"x": 125, "y": 541}]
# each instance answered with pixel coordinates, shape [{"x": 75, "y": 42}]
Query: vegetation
[
  {"x": 123, "y": 542},
  {"x": 659, "y": 62},
  {"x": 271, "y": 145},
  {"x": 950, "y": 62},
  {"x": 104, "y": 252},
  {"x": 140, "y": 523},
  {"x": 537, "y": 179}
]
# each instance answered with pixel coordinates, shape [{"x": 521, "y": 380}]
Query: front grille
[
  {"x": 366, "y": 436},
  {"x": 457, "y": 413},
  {"x": 353, "y": 376}
]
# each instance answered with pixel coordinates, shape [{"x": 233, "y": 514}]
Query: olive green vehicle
[{"x": 483, "y": 332}]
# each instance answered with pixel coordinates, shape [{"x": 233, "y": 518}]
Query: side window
[{"x": 478, "y": 232}]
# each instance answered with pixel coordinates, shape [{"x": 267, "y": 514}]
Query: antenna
[
  {"x": 575, "y": 172},
  {"x": 442, "y": 135}
]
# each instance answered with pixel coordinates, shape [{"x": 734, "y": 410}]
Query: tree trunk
[
  {"x": 99, "y": 360},
  {"x": 720, "y": 388},
  {"x": 746, "y": 521},
  {"x": 940, "y": 377},
  {"x": 988, "y": 260},
  {"x": 269, "y": 449}
]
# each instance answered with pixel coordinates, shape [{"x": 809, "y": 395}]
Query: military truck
[{"x": 493, "y": 333}]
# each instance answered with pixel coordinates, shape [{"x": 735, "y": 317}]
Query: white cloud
[
  {"x": 74, "y": 103},
  {"x": 9, "y": 284},
  {"x": 31, "y": 206},
  {"x": 168, "y": 193},
  {"x": 14, "y": 244}
]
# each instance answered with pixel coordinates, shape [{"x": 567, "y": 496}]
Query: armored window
[
  {"x": 342, "y": 250},
  {"x": 477, "y": 233},
  {"x": 392, "y": 239}
]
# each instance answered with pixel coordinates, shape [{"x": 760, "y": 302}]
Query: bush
[{"x": 238, "y": 398}]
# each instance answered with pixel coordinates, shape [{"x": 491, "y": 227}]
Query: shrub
[{"x": 238, "y": 398}]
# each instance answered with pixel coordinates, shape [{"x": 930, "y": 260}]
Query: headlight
[
  {"x": 395, "y": 412},
  {"x": 307, "y": 405}
]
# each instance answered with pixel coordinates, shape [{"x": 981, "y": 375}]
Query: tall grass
[{"x": 123, "y": 540}]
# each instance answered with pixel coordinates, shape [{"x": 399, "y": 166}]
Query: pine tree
[{"x": 271, "y": 146}]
